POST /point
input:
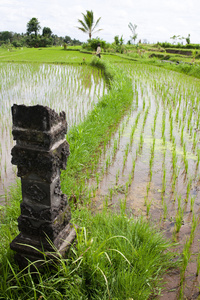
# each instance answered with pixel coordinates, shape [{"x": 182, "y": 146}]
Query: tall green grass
[{"x": 115, "y": 258}]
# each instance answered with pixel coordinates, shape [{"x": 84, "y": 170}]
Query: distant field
[{"x": 50, "y": 55}]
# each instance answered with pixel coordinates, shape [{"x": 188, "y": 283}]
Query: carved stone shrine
[{"x": 40, "y": 152}]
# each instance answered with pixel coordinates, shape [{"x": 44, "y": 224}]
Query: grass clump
[
  {"x": 8, "y": 218},
  {"x": 114, "y": 258},
  {"x": 108, "y": 69}
]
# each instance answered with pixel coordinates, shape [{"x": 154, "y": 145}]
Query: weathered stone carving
[
  {"x": 35, "y": 193},
  {"x": 40, "y": 152}
]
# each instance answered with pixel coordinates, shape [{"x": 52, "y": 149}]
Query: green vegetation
[
  {"x": 56, "y": 55},
  {"x": 141, "y": 138},
  {"x": 87, "y": 138},
  {"x": 32, "y": 38},
  {"x": 115, "y": 255},
  {"x": 132, "y": 53}
]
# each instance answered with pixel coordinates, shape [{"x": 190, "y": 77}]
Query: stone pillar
[{"x": 41, "y": 151}]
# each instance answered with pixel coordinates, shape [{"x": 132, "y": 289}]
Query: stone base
[{"x": 36, "y": 250}]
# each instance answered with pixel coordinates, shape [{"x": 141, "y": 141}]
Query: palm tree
[
  {"x": 88, "y": 24},
  {"x": 133, "y": 29}
]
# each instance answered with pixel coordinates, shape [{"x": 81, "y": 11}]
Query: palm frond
[
  {"x": 97, "y": 30},
  {"x": 96, "y": 23},
  {"x": 88, "y": 18},
  {"x": 82, "y": 29},
  {"x": 88, "y": 23},
  {"x": 83, "y": 24}
]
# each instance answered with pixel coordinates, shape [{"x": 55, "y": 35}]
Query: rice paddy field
[
  {"x": 33, "y": 84},
  {"x": 151, "y": 164}
]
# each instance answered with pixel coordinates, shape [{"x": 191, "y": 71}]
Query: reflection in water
[
  {"x": 73, "y": 89},
  {"x": 162, "y": 146}
]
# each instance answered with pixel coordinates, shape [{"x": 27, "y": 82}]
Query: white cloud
[{"x": 156, "y": 20}]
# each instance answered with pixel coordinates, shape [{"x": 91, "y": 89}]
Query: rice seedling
[
  {"x": 192, "y": 200},
  {"x": 182, "y": 135},
  {"x": 123, "y": 206},
  {"x": 186, "y": 254},
  {"x": 179, "y": 219},
  {"x": 110, "y": 194},
  {"x": 164, "y": 180},
  {"x": 141, "y": 142},
  {"x": 108, "y": 162},
  {"x": 194, "y": 225},
  {"x": 133, "y": 168},
  {"x": 148, "y": 188},
  {"x": 145, "y": 116},
  {"x": 97, "y": 179},
  {"x": 148, "y": 205},
  {"x": 198, "y": 264},
  {"x": 186, "y": 164},
  {"x": 117, "y": 177},
  {"x": 188, "y": 189},
  {"x": 125, "y": 154},
  {"x": 164, "y": 209},
  {"x": 194, "y": 141},
  {"x": 115, "y": 147},
  {"x": 105, "y": 202}
]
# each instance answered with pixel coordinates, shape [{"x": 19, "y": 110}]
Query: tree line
[{"x": 32, "y": 38}]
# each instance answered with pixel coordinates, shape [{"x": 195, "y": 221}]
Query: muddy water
[
  {"x": 74, "y": 89},
  {"x": 155, "y": 173}
]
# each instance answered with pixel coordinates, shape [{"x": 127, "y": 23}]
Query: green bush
[
  {"x": 38, "y": 41},
  {"x": 187, "y": 46},
  {"x": 93, "y": 43}
]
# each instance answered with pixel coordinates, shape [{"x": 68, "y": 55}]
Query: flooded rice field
[
  {"x": 73, "y": 89},
  {"x": 151, "y": 167}
]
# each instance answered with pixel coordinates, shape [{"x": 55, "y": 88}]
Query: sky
[{"x": 156, "y": 20}]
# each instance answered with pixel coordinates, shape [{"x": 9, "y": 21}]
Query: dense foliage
[
  {"x": 32, "y": 38},
  {"x": 11, "y": 39},
  {"x": 93, "y": 43},
  {"x": 179, "y": 45}
]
